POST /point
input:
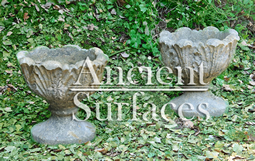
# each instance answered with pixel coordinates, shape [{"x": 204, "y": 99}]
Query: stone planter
[
  {"x": 49, "y": 73},
  {"x": 188, "y": 49}
]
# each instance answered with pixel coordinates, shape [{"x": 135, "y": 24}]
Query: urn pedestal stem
[
  {"x": 201, "y": 102},
  {"x": 62, "y": 129}
]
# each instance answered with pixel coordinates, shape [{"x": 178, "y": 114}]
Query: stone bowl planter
[
  {"x": 188, "y": 49},
  {"x": 49, "y": 73}
]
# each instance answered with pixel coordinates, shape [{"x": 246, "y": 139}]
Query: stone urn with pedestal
[
  {"x": 203, "y": 54},
  {"x": 49, "y": 73}
]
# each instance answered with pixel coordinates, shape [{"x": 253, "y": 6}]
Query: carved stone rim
[
  {"x": 101, "y": 58},
  {"x": 175, "y": 38}
]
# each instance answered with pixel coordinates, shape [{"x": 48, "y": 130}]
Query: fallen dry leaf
[
  {"x": 11, "y": 14},
  {"x": 124, "y": 55},
  {"x": 61, "y": 19},
  {"x": 114, "y": 154},
  {"x": 250, "y": 23},
  {"x": 102, "y": 150},
  {"x": 37, "y": 8},
  {"x": 56, "y": 7},
  {"x": 113, "y": 12},
  {"x": 244, "y": 43},
  {"x": 233, "y": 158},
  {"x": 66, "y": 26},
  {"x": 8, "y": 71},
  {"x": 96, "y": 16},
  {"x": 251, "y": 138},
  {"x": 1, "y": 28},
  {"x": 25, "y": 16},
  {"x": 10, "y": 65},
  {"x": 250, "y": 123},
  {"x": 70, "y": 35},
  {"x": 227, "y": 88},
  {"x": 8, "y": 109},
  {"x": 252, "y": 82},
  {"x": 121, "y": 16},
  {"x": 249, "y": 87},
  {"x": 4, "y": 2},
  {"x": 196, "y": 134},
  {"x": 2, "y": 89},
  {"x": 226, "y": 78},
  {"x": 57, "y": 150},
  {"x": 12, "y": 87},
  {"x": 188, "y": 124},
  {"x": 249, "y": 45},
  {"x": 46, "y": 6},
  {"x": 61, "y": 11},
  {"x": 241, "y": 82},
  {"x": 121, "y": 2},
  {"x": 9, "y": 33},
  {"x": 140, "y": 146},
  {"x": 91, "y": 27},
  {"x": 185, "y": 123}
]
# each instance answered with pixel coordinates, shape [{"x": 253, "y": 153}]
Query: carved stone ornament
[
  {"x": 49, "y": 73},
  {"x": 210, "y": 50}
]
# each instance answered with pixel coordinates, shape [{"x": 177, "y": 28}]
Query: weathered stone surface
[
  {"x": 49, "y": 73},
  {"x": 63, "y": 130},
  {"x": 216, "y": 105},
  {"x": 187, "y": 49}
]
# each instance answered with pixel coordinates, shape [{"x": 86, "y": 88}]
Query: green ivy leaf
[
  {"x": 238, "y": 148},
  {"x": 7, "y": 42},
  {"x": 143, "y": 7}
]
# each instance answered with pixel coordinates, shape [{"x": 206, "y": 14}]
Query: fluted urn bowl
[
  {"x": 50, "y": 73},
  {"x": 201, "y": 56}
]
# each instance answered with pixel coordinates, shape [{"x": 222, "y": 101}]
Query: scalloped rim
[
  {"x": 166, "y": 37},
  {"x": 101, "y": 58}
]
